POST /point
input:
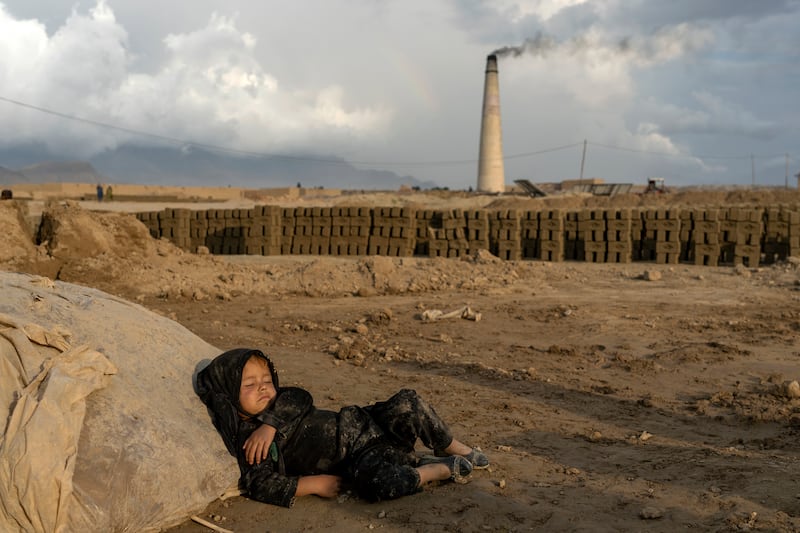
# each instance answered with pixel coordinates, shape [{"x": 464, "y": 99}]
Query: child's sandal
[
  {"x": 476, "y": 457},
  {"x": 460, "y": 468}
]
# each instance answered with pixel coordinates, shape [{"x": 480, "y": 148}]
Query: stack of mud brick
[
  {"x": 661, "y": 242},
  {"x": 592, "y": 236},
  {"x": 150, "y": 221},
  {"x": 301, "y": 231},
  {"x": 740, "y": 235},
  {"x": 392, "y": 232},
  {"x": 638, "y": 234},
  {"x": 571, "y": 244},
  {"x": 504, "y": 234},
  {"x": 446, "y": 233},
  {"x": 476, "y": 229},
  {"x": 529, "y": 234},
  {"x": 173, "y": 224},
  {"x": 618, "y": 235},
  {"x": 287, "y": 230},
  {"x": 551, "y": 235},
  {"x": 782, "y": 234},
  {"x": 198, "y": 229},
  {"x": 263, "y": 227},
  {"x": 321, "y": 221},
  {"x": 350, "y": 229},
  {"x": 700, "y": 229},
  {"x": 225, "y": 234}
]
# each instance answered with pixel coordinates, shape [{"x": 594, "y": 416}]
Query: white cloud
[{"x": 210, "y": 89}]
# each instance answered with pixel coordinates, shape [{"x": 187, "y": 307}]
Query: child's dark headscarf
[{"x": 218, "y": 386}]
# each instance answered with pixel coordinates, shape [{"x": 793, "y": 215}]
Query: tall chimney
[{"x": 491, "y": 177}]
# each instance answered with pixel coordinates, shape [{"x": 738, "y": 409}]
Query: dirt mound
[
  {"x": 69, "y": 232},
  {"x": 18, "y": 245}
]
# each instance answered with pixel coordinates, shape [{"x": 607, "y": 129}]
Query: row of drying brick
[{"x": 699, "y": 235}]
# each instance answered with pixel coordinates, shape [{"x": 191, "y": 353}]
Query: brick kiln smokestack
[{"x": 491, "y": 176}]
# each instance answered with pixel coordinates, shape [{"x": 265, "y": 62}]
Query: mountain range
[{"x": 194, "y": 167}]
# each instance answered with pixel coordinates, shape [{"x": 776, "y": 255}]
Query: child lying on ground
[{"x": 286, "y": 447}]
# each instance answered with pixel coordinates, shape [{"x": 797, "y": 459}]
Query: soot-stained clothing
[{"x": 370, "y": 446}]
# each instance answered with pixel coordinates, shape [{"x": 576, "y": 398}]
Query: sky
[{"x": 695, "y": 91}]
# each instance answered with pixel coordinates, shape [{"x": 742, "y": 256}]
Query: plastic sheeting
[{"x": 101, "y": 428}]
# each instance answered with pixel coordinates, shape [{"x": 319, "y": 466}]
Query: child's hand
[
  {"x": 256, "y": 447},
  {"x": 323, "y": 485}
]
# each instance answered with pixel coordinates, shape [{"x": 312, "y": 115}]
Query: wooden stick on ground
[{"x": 210, "y": 525}]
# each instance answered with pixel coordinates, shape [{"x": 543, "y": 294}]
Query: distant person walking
[
  {"x": 109, "y": 193},
  {"x": 99, "y": 192}
]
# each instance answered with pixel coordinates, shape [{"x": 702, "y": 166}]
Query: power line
[
  {"x": 692, "y": 156},
  {"x": 267, "y": 155}
]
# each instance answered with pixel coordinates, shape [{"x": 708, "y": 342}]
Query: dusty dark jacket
[{"x": 308, "y": 440}]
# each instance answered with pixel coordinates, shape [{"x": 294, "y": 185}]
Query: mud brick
[
  {"x": 253, "y": 246},
  {"x": 341, "y": 221},
  {"x": 508, "y": 250},
  {"x": 338, "y": 245},
  {"x": 592, "y": 225},
  {"x": 749, "y": 255},
  {"x": 551, "y": 250},
  {"x": 552, "y": 220},
  {"x": 377, "y": 245},
  {"x": 318, "y": 231},
  {"x": 619, "y": 214},
  {"x": 359, "y": 231},
  {"x": 399, "y": 247},
  {"x": 619, "y": 225},
  {"x": 594, "y": 252},
  {"x": 749, "y": 227},
  {"x": 232, "y": 246},
  {"x": 590, "y": 214},
  {"x": 619, "y": 252},
  {"x": 301, "y": 245},
  {"x": 437, "y": 248},
  {"x": 748, "y": 238},
  {"x": 706, "y": 226},
  {"x": 745, "y": 214},
  {"x": 776, "y": 227},
  {"x": 320, "y": 245},
  {"x": 361, "y": 221},
  {"x": 727, "y": 230},
  {"x": 705, "y": 254}
]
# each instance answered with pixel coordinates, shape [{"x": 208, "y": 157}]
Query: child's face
[{"x": 256, "y": 391}]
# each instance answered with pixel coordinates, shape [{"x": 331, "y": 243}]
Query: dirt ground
[{"x": 636, "y": 397}]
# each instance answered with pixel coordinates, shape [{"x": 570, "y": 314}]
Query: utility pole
[
  {"x": 753, "y": 168},
  {"x": 583, "y": 158},
  {"x": 786, "y": 184}
]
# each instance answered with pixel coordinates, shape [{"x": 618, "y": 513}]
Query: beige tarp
[{"x": 101, "y": 429}]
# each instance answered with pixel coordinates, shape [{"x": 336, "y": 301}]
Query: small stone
[
  {"x": 203, "y": 250},
  {"x": 645, "y": 436},
  {"x": 792, "y": 389},
  {"x": 361, "y": 329},
  {"x": 501, "y": 483},
  {"x": 651, "y": 275},
  {"x": 573, "y": 471},
  {"x": 651, "y": 513},
  {"x": 382, "y": 514},
  {"x": 503, "y": 448},
  {"x": 595, "y": 436}
]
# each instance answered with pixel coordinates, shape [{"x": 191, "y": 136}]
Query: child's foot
[{"x": 460, "y": 468}]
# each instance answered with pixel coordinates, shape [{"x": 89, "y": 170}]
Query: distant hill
[
  {"x": 8, "y": 177},
  {"x": 168, "y": 166},
  {"x": 196, "y": 167},
  {"x": 62, "y": 171}
]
